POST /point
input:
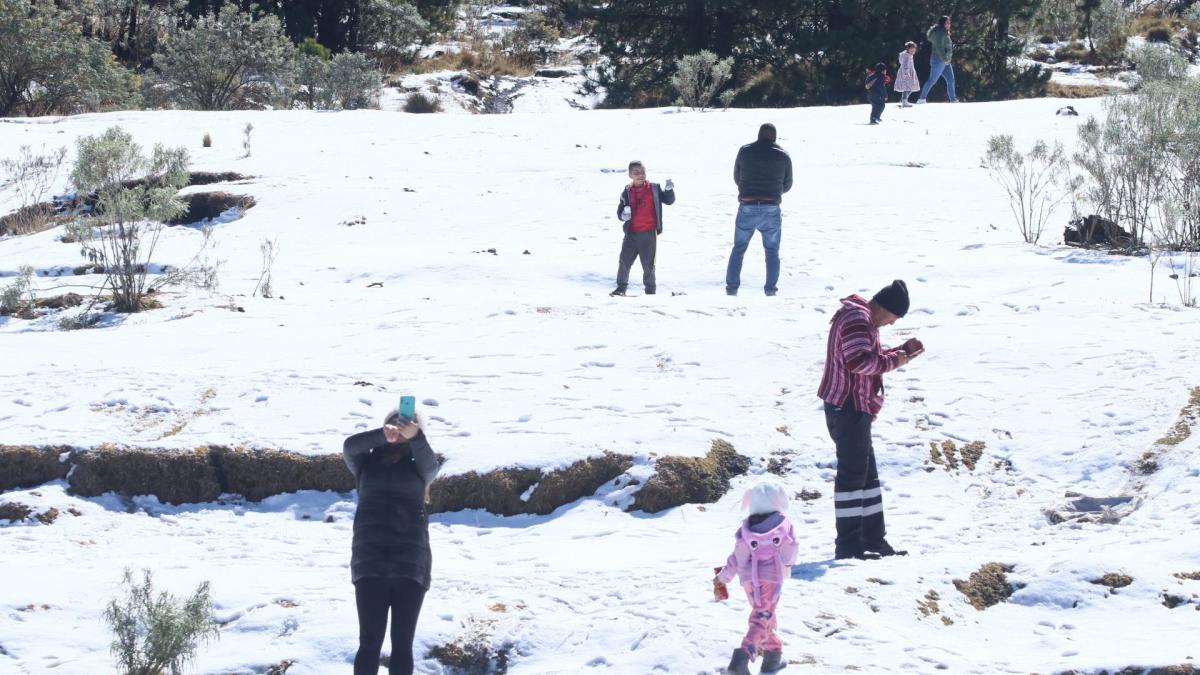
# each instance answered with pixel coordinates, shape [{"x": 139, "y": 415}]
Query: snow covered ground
[{"x": 1051, "y": 356}]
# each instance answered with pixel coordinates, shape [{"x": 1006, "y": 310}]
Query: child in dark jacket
[
  {"x": 640, "y": 209},
  {"x": 876, "y": 84}
]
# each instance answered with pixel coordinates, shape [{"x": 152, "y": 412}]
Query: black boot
[
  {"x": 884, "y": 549},
  {"x": 740, "y": 663},
  {"x": 620, "y": 292},
  {"x": 772, "y": 662}
]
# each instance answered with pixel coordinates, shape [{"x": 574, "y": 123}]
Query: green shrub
[
  {"x": 227, "y": 60},
  {"x": 135, "y": 195},
  {"x": 310, "y": 47},
  {"x": 698, "y": 78},
  {"x": 155, "y": 634},
  {"x": 353, "y": 82}
]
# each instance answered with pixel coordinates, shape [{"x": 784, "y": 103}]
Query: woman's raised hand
[{"x": 402, "y": 431}]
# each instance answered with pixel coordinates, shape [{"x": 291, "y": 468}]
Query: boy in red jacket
[{"x": 640, "y": 209}]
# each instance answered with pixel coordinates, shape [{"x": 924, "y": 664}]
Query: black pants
[
  {"x": 375, "y": 596},
  {"x": 638, "y": 245},
  {"x": 857, "y": 501},
  {"x": 877, "y": 103}
]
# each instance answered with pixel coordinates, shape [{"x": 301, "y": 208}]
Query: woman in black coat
[{"x": 390, "y": 563}]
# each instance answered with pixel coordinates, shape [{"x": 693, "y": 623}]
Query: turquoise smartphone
[{"x": 408, "y": 408}]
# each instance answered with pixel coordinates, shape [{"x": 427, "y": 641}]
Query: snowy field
[{"x": 385, "y": 284}]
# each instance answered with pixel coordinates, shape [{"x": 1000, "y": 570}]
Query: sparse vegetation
[
  {"x": 269, "y": 249},
  {"x": 135, "y": 195},
  {"x": 18, "y": 293},
  {"x": 31, "y": 176},
  {"x": 1033, "y": 181},
  {"x": 157, "y": 633}
]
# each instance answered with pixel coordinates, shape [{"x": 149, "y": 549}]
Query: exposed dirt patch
[
  {"x": 208, "y": 205},
  {"x": 1188, "y": 576},
  {"x": 778, "y": 465},
  {"x": 209, "y": 177},
  {"x": 691, "y": 480},
  {"x": 1113, "y": 580},
  {"x": 808, "y": 495},
  {"x": 48, "y": 516},
  {"x": 987, "y": 586},
  {"x": 14, "y": 511},
  {"x": 1173, "y": 600},
  {"x": 24, "y": 466},
  {"x": 1189, "y": 416}
]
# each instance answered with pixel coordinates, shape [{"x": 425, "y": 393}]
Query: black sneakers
[{"x": 617, "y": 293}]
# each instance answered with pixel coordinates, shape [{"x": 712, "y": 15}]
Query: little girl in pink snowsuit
[{"x": 763, "y": 552}]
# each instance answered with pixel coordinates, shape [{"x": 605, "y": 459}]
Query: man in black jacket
[{"x": 763, "y": 172}]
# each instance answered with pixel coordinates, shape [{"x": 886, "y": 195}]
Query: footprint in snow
[{"x": 598, "y": 364}]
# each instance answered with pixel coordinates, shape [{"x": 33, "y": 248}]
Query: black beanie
[{"x": 893, "y": 298}]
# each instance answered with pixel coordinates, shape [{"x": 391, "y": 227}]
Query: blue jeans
[
  {"x": 939, "y": 68},
  {"x": 768, "y": 219}
]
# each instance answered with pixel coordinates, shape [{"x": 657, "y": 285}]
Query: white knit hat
[{"x": 765, "y": 498}]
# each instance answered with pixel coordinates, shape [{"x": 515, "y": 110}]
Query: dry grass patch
[
  {"x": 1189, "y": 576},
  {"x": 14, "y": 511},
  {"x": 24, "y": 466},
  {"x": 691, "y": 480},
  {"x": 258, "y": 474},
  {"x": 31, "y": 219},
  {"x": 987, "y": 586},
  {"x": 175, "y": 477},
  {"x": 1113, "y": 580},
  {"x": 1189, "y": 416},
  {"x": 500, "y": 491},
  {"x": 481, "y": 59},
  {"x": 949, "y": 456}
]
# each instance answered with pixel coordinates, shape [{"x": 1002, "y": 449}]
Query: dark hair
[
  {"x": 880, "y": 66},
  {"x": 910, "y": 43},
  {"x": 767, "y": 132},
  {"x": 390, "y": 454},
  {"x": 943, "y": 21},
  {"x": 636, "y": 162}
]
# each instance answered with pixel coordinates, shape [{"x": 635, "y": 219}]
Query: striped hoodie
[{"x": 856, "y": 361}]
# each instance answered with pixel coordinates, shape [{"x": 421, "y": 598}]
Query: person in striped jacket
[{"x": 852, "y": 389}]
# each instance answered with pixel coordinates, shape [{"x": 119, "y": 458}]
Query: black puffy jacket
[
  {"x": 762, "y": 170},
  {"x": 391, "y": 528}
]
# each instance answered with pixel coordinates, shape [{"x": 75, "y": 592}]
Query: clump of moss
[{"x": 986, "y": 586}]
